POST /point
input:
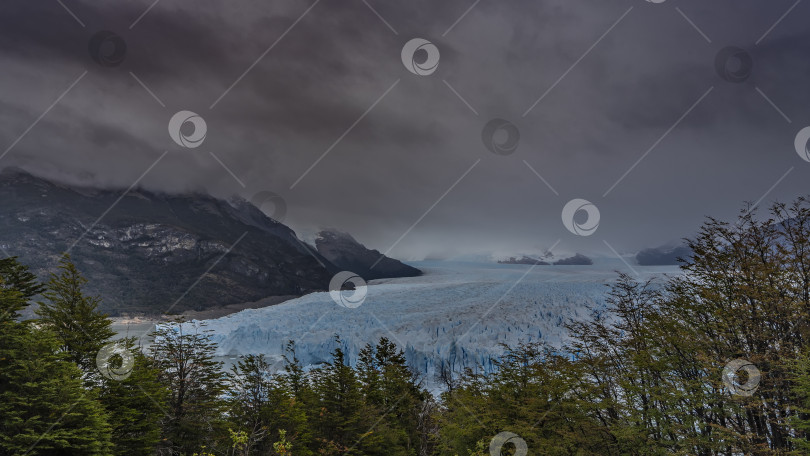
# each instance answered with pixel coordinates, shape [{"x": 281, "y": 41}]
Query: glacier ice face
[{"x": 459, "y": 312}]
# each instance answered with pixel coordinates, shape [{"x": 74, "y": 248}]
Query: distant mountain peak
[
  {"x": 576, "y": 260},
  {"x": 345, "y": 252},
  {"x": 334, "y": 234},
  {"x": 523, "y": 260}
]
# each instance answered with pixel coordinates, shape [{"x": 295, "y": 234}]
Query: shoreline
[{"x": 124, "y": 325}]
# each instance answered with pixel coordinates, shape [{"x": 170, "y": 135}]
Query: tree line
[{"x": 714, "y": 361}]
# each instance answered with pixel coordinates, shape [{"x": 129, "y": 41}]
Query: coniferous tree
[
  {"x": 18, "y": 276},
  {"x": 390, "y": 388},
  {"x": 82, "y": 330},
  {"x": 135, "y": 400},
  {"x": 251, "y": 391},
  {"x": 196, "y": 383},
  {"x": 136, "y": 403},
  {"x": 341, "y": 420},
  {"x": 801, "y": 421},
  {"x": 294, "y": 407},
  {"x": 295, "y": 379},
  {"x": 43, "y": 407}
]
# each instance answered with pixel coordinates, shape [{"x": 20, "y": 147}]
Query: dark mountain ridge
[
  {"x": 342, "y": 250},
  {"x": 153, "y": 253}
]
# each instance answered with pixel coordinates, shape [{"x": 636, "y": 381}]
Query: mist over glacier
[{"x": 459, "y": 312}]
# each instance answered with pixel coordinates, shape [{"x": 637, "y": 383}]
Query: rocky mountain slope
[
  {"x": 149, "y": 250},
  {"x": 342, "y": 250}
]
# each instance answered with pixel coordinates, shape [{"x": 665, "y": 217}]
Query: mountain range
[{"x": 150, "y": 253}]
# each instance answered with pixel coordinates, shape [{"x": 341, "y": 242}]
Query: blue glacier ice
[{"x": 457, "y": 311}]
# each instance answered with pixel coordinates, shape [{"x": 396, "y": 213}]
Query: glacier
[{"x": 457, "y": 312}]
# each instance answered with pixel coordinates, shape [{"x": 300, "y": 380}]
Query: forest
[{"x": 715, "y": 361}]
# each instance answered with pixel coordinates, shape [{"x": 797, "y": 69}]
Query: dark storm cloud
[{"x": 419, "y": 139}]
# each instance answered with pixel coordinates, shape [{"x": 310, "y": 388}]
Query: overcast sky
[{"x": 617, "y": 81}]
